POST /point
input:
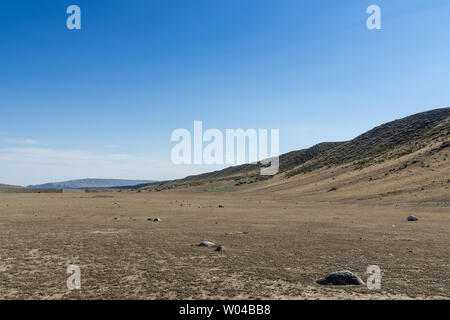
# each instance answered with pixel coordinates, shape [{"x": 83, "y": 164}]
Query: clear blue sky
[{"x": 103, "y": 101}]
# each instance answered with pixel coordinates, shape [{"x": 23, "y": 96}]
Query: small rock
[
  {"x": 412, "y": 218},
  {"x": 206, "y": 244},
  {"x": 156, "y": 219},
  {"x": 221, "y": 206},
  {"x": 341, "y": 278},
  {"x": 219, "y": 249},
  {"x": 149, "y": 219}
]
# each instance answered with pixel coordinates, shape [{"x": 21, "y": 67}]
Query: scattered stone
[
  {"x": 341, "y": 278},
  {"x": 221, "y": 206},
  {"x": 206, "y": 244},
  {"x": 235, "y": 232},
  {"x": 219, "y": 249},
  {"x": 412, "y": 218},
  {"x": 156, "y": 219},
  {"x": 149, "y": 219}
]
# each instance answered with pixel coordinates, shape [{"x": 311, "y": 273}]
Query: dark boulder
[{"x": 341, "y": 278}]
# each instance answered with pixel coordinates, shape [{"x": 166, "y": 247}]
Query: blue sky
[{"x": 103, "y": 101}]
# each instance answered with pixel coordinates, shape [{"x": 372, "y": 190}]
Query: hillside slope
[
  {"x": 385, "y": 142},
  {"x": 287, "y": 161},
  {"x": 390, "y": 159},
  {"x": 406, "y": 161}
]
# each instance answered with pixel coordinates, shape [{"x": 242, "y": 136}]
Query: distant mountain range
[{"x": 90, "y": 183}]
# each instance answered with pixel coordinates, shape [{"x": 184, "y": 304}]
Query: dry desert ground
[{"x": 278, "y": 240}]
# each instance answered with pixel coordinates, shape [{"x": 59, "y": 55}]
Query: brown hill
[
  {"x": 287, "y": 162},
  {"x": 404, "y": 162},
  {"x": 412, "y": 140},
  {"x": 385, "y": 142}
]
